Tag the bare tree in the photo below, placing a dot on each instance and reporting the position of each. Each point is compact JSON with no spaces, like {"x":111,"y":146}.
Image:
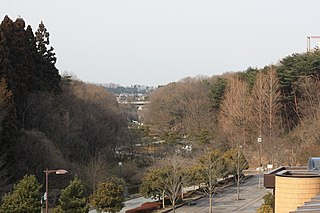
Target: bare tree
{"x":210,"y":169}
{"x":266,"y":104}
{"x":236,"y":163}
{"x":95,"y":171}
{"x":235,"y":112}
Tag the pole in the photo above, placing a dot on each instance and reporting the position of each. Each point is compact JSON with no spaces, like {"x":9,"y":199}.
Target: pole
{"x":260,"y":166}
{"x":260,"y":144}
{"x":47,"y":184}
{"x":238,"y":175}
{"x":47,"y":171}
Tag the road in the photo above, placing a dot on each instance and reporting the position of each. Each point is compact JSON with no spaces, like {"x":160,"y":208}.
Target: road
{"x":131,"y":204}
{"x":250,"y":200}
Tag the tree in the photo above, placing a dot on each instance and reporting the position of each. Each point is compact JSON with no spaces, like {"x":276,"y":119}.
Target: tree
{"x":266,"y":103}
{"x":7,"y":129}
{"x":108,"y":197}
{"x":24,"y":198}
{"x":36,"y":153}
{"x":150,"y":186}
{"x":179,"y":109}
{"x":95,"y":171}
{"x":234,"y":117}
{"x":211,"y":167}
{"x":166,"y":179}
{"x":217,"y":92}
{"x":236,"y":163}
{"x":42,"y":41}
{"x":72,"y":199}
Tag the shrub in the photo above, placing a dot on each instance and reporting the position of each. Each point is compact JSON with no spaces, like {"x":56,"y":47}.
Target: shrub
{"x":108,"y":197}
{"x":147,"y":207}
{"x":24,"y":198}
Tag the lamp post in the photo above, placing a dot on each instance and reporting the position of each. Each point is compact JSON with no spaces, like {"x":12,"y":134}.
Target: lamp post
{"x":238,"y":173}
{"x":47,"y":172}
{"x":260,"y":143}
{"x":120,"y":164}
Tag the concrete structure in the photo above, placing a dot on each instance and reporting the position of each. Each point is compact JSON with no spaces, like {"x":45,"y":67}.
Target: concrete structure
{"x":293,"y":189}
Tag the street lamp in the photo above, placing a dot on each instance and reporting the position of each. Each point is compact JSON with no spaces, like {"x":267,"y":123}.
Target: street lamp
{"x":238,"y":173}
{"x":47,"y":172}
{"x":120,"y":164}
{"x":260,"y":143}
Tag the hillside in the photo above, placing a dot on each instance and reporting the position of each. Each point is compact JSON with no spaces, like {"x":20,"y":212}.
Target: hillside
{"x":53,"y":121}
{"x":279,"y":102}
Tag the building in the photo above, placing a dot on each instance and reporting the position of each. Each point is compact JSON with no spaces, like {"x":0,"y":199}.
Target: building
{"x":296,"y":189}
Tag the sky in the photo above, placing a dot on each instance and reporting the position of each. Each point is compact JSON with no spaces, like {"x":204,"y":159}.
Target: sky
{"x":155,"y":42}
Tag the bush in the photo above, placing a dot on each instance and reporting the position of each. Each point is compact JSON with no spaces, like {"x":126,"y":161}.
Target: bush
{"x":147,"y":207}
{"x":72,"y":199}
{"x":268,"y":205}
{"x":24,"y":198}
{"x":108,"y":197}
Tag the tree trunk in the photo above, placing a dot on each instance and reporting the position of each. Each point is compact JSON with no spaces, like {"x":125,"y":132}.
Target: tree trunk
{"x":238,"y":187}
{"x":210,"y":202}
{"x":181,"y":192}
{"x":163,"y":205}
{"x":174,"y":205}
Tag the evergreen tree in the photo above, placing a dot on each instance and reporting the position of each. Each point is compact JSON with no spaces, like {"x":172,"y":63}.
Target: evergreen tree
{"x":217,"y":91}
{"x":42,"y":41}
{"x":7,"y":130}
{"x":24,"y":198}
{"x":73,"y":198}
{"x":108,"y":197}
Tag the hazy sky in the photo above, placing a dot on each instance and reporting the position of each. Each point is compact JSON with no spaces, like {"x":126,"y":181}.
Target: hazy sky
{"x":156,"y":42}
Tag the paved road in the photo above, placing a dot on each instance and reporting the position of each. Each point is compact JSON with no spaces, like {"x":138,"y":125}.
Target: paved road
{"x":130,"y":204}
{"x":250,"y":195}
{"x":250,"y":200}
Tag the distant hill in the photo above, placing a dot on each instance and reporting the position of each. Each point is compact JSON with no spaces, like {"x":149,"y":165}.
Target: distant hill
{"x":133,"y":89}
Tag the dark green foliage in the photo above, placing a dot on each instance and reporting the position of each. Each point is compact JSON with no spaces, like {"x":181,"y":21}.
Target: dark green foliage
{"x":151,"y":186}
{"x":24,"y":198}
{"x":249,"y":76}
{"x":24,"y":68}
{"x":42,"y":41}
{"x":217,"y":92}
{"x":72,"y":199}
{"x":22,"y":71}
{"x":293,"y":68}
{"x":8,"y":132}
{"x":108,"y":197}
{"x":269,"y":199}
{"x":268,"y":205}
{"x":204,"y":137}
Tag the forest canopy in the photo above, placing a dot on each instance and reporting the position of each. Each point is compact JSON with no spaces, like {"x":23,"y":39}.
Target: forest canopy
{"x":53,"y":121}
{"x":48,"y":120}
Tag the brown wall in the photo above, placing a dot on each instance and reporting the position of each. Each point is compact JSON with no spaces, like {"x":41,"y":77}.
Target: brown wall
{"x":292,"y":192}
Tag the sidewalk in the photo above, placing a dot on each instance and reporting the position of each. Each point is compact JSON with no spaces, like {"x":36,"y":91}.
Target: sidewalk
{"x":225,"y":202}
{"x":131,"y":204}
